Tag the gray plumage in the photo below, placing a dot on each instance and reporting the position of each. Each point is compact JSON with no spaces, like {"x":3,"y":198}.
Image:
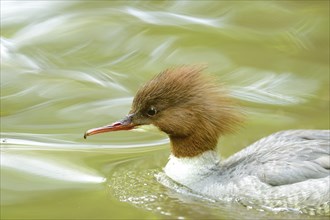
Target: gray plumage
{"x":285,"y":157}
{"x":288,"y":169}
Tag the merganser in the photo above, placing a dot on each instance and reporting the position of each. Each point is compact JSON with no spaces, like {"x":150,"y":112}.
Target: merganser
{"x":287,"y":170}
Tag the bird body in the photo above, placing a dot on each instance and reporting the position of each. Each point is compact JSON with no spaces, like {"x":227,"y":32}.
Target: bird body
{"x":286,"y":170}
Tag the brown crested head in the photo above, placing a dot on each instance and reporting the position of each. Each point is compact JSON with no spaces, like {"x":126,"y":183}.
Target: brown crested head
{"x":187,"y":105}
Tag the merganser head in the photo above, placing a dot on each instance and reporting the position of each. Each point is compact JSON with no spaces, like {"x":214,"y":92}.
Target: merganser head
{"x":184,"y":103}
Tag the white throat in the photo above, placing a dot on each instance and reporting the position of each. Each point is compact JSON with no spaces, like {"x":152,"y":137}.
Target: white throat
{"x":189,"y":171}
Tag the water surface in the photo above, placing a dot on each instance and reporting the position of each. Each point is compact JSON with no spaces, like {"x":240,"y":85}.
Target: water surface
{"x":67,"y":66}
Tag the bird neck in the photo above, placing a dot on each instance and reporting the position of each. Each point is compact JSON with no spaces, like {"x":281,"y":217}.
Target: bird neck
{"x":193,"y":145}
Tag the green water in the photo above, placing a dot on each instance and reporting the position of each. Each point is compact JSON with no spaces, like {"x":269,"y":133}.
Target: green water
{"x":67,"y":66}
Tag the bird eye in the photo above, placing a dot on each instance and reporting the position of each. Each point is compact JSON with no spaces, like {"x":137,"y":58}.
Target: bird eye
{"x":152,"y":111}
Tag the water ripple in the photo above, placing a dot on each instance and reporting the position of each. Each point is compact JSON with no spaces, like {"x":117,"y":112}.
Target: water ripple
{"x":64,"y":170}
{"x":30,"y":141}
{"x":273,"y":88}
{"x":168,"y":18}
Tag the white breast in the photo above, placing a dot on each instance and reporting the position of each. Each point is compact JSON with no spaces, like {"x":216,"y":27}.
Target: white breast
{"x":191,"y":171}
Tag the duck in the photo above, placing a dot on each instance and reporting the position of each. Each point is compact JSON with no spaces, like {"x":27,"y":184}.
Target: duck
{"x":286,"y":171}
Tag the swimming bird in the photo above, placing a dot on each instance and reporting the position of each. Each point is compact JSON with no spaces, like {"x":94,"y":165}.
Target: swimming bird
{"x":287,"y":170}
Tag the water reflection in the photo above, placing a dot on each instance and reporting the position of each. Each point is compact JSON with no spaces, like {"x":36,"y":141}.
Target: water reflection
{"x":26,"y":142}
{"x":21,"y":12}
{"x":53,"y":169}
{"x":273,"y":88}
{"x":67,"y":66}
{"x":168,"y":18}
{"x":12,"y":57}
